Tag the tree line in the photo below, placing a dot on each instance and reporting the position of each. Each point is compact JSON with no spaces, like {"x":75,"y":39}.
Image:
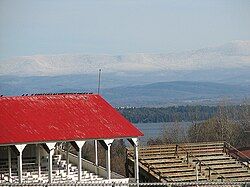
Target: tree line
{"x":168,"y":114}
{"x":229,"y":123}
{"x":177,"y":113}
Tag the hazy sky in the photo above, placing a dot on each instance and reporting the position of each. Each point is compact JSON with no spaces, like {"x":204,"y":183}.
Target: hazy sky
{"x":30,"y":27}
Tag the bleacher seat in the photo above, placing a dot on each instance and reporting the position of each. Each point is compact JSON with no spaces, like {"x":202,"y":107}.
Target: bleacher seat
{"x":177,"y":163}
{"x":59,"y":172}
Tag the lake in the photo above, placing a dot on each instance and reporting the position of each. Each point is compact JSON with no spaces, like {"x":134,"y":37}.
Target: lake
{"x":154,"y":130}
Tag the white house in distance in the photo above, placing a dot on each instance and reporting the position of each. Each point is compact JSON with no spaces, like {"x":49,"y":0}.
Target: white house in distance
{"x":32,"y":125}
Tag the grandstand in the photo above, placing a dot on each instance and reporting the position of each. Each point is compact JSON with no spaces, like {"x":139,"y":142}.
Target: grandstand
{"x":209,"y":161}
{"x":37,"y":132}
{"x":59,"y":171}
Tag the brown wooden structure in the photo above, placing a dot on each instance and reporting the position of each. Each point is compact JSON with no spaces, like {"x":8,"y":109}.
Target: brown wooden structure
{"x":209,"y":161}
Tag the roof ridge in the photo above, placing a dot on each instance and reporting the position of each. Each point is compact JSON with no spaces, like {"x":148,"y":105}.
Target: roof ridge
{"x":63,"y":93}
{"x":56,"y":93}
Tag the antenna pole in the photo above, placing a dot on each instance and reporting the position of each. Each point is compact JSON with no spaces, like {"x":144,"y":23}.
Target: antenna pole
{"x":99,"y":81}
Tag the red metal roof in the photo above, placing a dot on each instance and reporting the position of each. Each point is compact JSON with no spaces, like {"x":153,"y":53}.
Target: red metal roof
{"x":43,"y":118}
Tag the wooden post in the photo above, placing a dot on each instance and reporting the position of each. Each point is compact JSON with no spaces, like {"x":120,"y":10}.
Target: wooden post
{"x":197,"y":172}
{"x":159,"y":173}
{"x":209,"y":173}
{"x":176,"y":150}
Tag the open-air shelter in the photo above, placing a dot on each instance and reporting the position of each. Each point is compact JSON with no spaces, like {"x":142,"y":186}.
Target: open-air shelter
{"x":47,"y":119}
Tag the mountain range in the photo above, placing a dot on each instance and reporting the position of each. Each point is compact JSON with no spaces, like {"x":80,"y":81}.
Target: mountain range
{"x":235,"y":54}
{"x":176,"y":93}
{"x":207,"y":74}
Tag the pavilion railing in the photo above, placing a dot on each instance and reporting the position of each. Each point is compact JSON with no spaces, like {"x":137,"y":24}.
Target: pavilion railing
{"x":113,"y":184}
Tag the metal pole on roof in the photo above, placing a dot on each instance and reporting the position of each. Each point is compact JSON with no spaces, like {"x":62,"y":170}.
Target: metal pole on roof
{"x":99,"y":81}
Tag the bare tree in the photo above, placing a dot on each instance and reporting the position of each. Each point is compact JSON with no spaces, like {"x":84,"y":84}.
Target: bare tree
{"x":224,"y":126}
{"x":175,"y":133}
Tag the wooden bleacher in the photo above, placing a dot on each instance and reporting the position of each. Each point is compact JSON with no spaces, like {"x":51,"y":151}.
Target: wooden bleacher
{"x":209,"y":161}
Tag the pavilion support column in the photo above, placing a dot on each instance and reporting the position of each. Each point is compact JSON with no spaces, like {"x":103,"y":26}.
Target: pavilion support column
{"x":134,"y":142}
{"x":108,"y":165}
{"x":9,"y":162}
{"x":80,"y":164}
{"x":79,"y":149}
{"x":50,"y":148}
{"x":38,"y":159}
{"x":20,"y":167}
{"x":50,"y":166}
{"x":107,"y":145}
{"x":96,"y":157}
{"x":20,"y":149}
{"x":67,"y":157}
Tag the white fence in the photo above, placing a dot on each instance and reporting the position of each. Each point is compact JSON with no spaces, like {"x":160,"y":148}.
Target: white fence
{"x":239,"y":184}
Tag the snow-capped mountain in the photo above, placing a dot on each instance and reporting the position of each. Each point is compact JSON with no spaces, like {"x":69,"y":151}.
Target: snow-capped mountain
{"x":201,"y":76}
{"x":233,"y":55}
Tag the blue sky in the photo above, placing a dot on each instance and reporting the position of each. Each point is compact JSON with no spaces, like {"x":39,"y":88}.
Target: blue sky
{"x":31,"y":27}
